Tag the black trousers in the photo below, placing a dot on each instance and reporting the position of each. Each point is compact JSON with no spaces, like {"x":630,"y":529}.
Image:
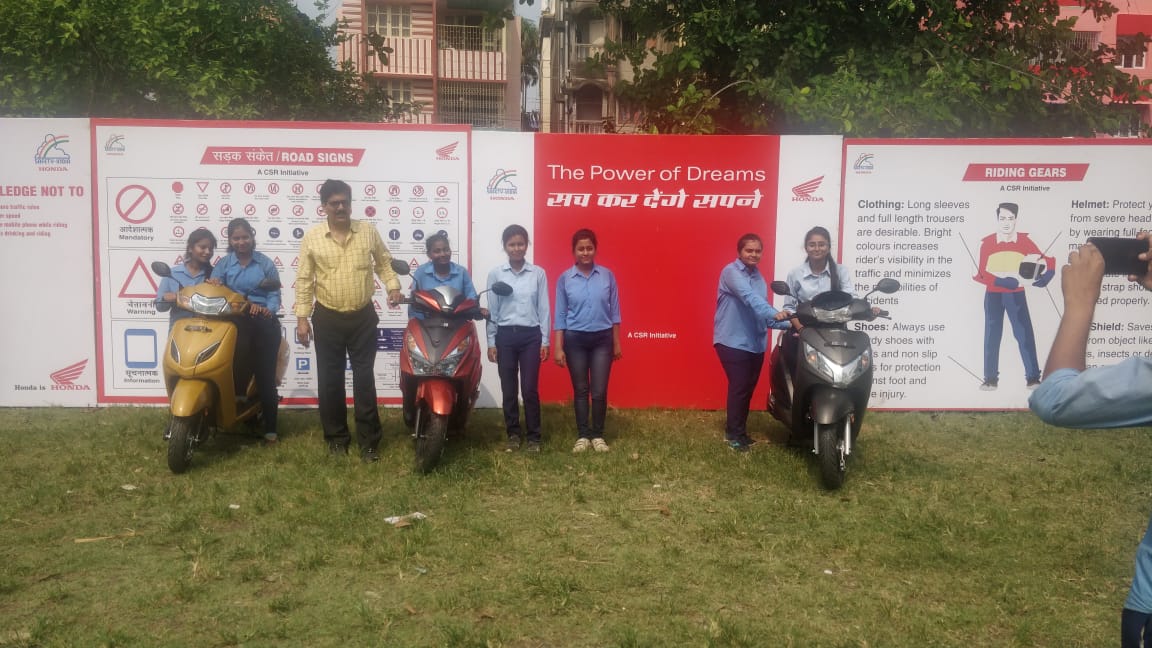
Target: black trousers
{"x":743,"y":371}
{"x":258,"y":348}
{"x":518,"y":361}
{"x":352,"y":336}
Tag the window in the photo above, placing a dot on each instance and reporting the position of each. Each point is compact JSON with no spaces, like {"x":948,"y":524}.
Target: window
{"x":1130,"y":52}
{"x":397,"y":91}
{"x":479,"y":104}
{"x":393,"y":21}
{"x":1085,"y":41}
{"x":466,"y":32}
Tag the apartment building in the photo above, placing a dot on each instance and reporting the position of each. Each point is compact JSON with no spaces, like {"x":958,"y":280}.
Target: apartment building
{"x":1119,"y":31}
{"x":577,"y":88}
{"x":442,"y":58}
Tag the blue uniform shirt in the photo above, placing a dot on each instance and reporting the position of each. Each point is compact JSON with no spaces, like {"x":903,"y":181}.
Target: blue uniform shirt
{"x":805,"y":284}
{"x":424,"y":278}
{"x":587,"y":303}
{"x":246,"y":279}
{"x":526,"y":306}
{"x":742,"y":309}
{"x":1102,"y":397}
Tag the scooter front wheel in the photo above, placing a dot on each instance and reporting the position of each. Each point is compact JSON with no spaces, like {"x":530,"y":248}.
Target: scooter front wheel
{"x":832,"y":455}
{"x":183,"y":433}
{"x":431,"y":432}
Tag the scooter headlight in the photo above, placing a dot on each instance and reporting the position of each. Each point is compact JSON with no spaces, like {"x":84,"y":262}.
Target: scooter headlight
{"x":174,"y":352}
{"x":838,"y":375}
{"x":420,"y":364}
{"x":209,"y":305}
{"x":447,"y":365}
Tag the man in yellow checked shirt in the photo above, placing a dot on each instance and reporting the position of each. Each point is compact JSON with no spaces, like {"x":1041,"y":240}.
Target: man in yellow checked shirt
{"x":334,"y":286}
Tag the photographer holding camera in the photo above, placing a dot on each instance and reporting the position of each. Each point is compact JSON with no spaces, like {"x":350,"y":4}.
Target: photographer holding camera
{"x":1113,"y":396}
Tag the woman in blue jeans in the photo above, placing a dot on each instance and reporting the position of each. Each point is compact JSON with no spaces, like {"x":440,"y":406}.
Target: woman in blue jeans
{"x":587,"y":338}
{"x":518,"y":337}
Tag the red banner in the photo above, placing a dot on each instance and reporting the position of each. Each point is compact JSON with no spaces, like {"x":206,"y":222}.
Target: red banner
{"x":668,"y":213}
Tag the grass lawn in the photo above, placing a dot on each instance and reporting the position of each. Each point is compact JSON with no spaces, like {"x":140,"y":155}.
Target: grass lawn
{"x":952,"y":530}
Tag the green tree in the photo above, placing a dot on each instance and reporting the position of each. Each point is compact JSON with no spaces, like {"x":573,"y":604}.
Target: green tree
{"x":218,"y":59}
{"x":884,"y":68}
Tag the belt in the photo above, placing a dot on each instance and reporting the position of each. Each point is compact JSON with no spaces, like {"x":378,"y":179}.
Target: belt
{"x":350,"y":313}
{"x":512,"y":328}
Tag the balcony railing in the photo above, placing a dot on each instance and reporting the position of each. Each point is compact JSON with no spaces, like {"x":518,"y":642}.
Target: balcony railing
{"x":581,"y":52}
{"x":412,"y":57}
{"x":409,"y":57}
{"x":586,"y":126}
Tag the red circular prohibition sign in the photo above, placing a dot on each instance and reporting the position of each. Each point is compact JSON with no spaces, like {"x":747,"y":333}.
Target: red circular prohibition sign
{"x":135,"y":204}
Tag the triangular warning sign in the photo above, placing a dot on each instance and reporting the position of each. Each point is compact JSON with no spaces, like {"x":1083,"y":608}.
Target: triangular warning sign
{"x":375,"y":304}
{"x":277,"y":262}
{"x":138,"y":283}
{"x":202,"y":186}
{"x":377,"y":282}
{"x":296,"y":262}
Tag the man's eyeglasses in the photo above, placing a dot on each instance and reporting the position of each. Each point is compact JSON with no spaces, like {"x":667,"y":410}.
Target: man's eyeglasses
{"x":337,"y":204}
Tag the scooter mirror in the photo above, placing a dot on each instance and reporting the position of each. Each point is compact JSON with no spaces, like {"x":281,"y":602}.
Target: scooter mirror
{"x":502,"y":289}
{"x":161,"y":269}
{"x":887,"y":285}
{"x":400,"y":267}
{"x":780,"y":288}
{"x":269,"y":284}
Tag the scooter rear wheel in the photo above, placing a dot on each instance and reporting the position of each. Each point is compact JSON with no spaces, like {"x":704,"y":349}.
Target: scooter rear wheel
{"x":184,"y":432}
{"x":833,"y":460}
{"x":431,"y":432}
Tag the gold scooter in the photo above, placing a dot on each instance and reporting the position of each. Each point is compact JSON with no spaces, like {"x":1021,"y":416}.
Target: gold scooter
{"x":198,"y":367}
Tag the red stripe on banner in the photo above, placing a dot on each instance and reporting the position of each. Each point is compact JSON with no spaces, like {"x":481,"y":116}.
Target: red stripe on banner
{"x":980,"y":172}
{"x":290,"y":156}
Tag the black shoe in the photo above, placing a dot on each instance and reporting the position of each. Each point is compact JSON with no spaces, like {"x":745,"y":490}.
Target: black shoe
{"x":1033,"y":383}
{"x":738,"y":445}
{"x":369,"y":455}
{"x":336,"y":448}
{"x":741,"y":443}
{"x":989,"y":385}
{"x":513,"y":444}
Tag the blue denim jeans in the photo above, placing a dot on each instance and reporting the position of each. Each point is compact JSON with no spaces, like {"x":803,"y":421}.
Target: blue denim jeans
{"x":589,"y":364}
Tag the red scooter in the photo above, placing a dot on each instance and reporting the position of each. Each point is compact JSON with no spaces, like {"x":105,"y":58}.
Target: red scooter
{"x":440,"y":367}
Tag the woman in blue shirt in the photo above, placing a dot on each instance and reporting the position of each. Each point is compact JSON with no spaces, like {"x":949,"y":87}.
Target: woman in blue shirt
{"x":196,"y":268}
{"x":518,"y":336}
{"x":587,"y":338}
{"x":440,"y":270}
{"x":740,"y":333}
{"x":819,"y":273}
{"x":258,"y":334}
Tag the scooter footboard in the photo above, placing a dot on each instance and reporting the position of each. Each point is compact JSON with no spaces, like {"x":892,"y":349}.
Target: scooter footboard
{"x":830,"y":405}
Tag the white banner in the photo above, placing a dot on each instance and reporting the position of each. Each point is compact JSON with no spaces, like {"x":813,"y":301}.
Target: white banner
{"x":46,"y":261}
{"x":502,"y":195}
{"x":971,"y":229}
{"x":156,"y":182}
